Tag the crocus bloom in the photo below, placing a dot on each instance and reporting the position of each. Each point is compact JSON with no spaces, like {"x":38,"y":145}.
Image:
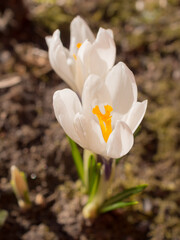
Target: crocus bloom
{"x":108,"y":116}
{"x":86,"y":55}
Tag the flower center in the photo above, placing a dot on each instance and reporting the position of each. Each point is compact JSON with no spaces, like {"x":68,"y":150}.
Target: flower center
{"x":104,"y":120}
{"x":78,"y":45}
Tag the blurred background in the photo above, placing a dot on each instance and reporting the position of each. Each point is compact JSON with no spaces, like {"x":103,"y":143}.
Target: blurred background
{"x":147,"y":36}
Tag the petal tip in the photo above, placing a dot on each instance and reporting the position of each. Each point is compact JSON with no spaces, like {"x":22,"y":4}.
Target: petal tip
{"x":56,"y":33}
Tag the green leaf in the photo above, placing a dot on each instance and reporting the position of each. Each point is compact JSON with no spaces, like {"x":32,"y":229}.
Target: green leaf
{"x":88,"y":156}
{"x":92,"y":171}
{"x":77,"y":158}
{"x":3,"y":217}
{"x":95,"y":181}
{"x":116,"y":205}
{"x":125,"y":194}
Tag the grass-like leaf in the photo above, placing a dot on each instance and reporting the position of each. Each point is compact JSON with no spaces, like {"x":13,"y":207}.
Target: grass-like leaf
{"x":116,"y":205}
{"x":77,"y":159}
{"x":95,"y":181}
{"x":91,"y":171}
{"x":125,"y":194}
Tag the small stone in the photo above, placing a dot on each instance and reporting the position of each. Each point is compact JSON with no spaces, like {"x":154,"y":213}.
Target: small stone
{"x":40,"y":200}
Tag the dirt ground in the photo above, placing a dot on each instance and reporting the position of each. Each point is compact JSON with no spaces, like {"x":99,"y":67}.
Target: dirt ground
{"x":147,"y":34}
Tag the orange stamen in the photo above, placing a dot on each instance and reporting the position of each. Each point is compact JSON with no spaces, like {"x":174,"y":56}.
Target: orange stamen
{"x":104,"y":120}
{"x":78,"y":45}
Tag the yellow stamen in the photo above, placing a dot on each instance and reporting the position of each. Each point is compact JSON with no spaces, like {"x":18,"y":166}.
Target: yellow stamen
{"x":104,"y":120}
{"x":75,"y":57}
{"x":78,"y":45}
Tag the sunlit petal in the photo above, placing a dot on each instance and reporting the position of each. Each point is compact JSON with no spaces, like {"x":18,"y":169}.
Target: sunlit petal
{"x":59,"y":59}
{"x":122,"y":87}
{"x":135,"y":115}
{"x":120,"y":141}
{"x":66,"y":105}
{"x":95,"y":93}
{"x":80,"y":32}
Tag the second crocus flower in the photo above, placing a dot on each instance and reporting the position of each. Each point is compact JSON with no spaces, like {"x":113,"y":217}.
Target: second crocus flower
{"x":86,"y":55}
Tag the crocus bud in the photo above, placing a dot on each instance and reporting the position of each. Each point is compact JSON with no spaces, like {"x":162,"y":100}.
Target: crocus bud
{"x":20,"y":187}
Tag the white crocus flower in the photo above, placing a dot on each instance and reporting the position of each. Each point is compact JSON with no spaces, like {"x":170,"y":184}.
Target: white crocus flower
{"x":108,"y":116}
{"x":86,"y":55}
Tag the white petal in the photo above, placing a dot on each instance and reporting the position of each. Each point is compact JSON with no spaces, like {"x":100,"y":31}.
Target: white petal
{"x":120,"y":141}
{"x":105,"y":48}
{"x":59,"y":59}
{"x":94,"y":93}
{"x":80,"y":32}
{"x":66,"y":105}
{"x":99,"y":57}
{"x":81,"y":65}
{"x":90,"y":133}
{"x":122,"y":87}
{"x":109,"y":31}
{"x":116,"y":117}
{"x":135,"y":115}
{"x":84,"y":52}
{"x":79,"y":127}
{"x":79,"y":77}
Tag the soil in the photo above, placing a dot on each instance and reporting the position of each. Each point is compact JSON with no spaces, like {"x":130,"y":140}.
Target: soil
{"x":148,"y":41}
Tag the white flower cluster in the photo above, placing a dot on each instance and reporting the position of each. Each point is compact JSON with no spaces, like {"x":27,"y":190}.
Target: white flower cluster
{"x":107,"y":114}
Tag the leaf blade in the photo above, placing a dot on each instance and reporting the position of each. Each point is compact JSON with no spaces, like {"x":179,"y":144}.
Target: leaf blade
{"x":95,"y":183}
{"x":125,"y":194}
{"x":77,"y":159}
{"x":116,"y":206}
